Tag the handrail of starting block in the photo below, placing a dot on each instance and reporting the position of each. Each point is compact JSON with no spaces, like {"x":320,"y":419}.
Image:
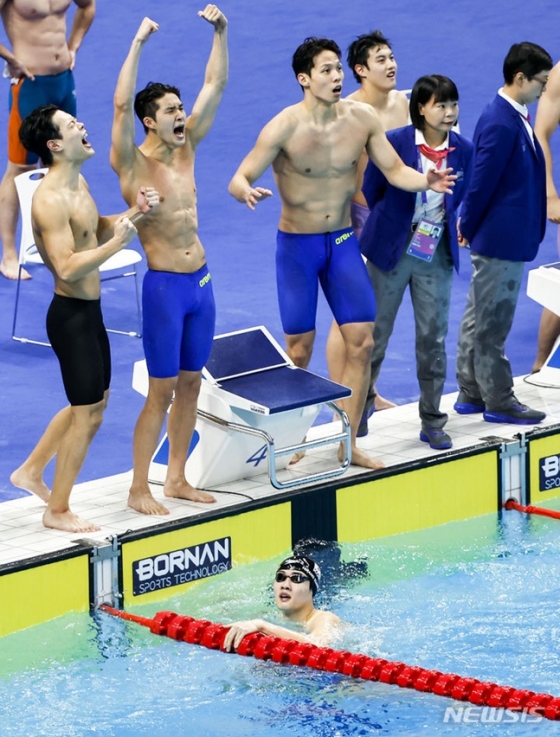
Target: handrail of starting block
{"x":342,"y":437}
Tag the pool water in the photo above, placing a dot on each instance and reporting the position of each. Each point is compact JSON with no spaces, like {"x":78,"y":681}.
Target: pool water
{"x":477,"y":598}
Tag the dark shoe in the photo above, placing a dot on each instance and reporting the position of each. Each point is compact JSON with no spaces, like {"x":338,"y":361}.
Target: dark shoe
{"x":363,"y":426}
{"x":517,"y":414}
{"x":466,"y":405}
{"x":438,"y":439}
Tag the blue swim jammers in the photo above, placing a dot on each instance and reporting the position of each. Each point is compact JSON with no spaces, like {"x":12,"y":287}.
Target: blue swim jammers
{"x":334,"y":260}
{"x":179,"y":316}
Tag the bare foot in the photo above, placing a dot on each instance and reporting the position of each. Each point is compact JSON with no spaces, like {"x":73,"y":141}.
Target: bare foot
{"x":10,"y":269}
{"x":144,"y":502}
{"x":67,"y":522}
{"x":296,"y":458}
{"x":382,"y":403}
{"x":359,"y":458}
{"x":24,"y":480}
{"x":183,"y":490}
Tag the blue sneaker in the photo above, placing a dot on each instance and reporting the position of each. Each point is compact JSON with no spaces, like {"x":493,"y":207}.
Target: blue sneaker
{"x":466,"y":405}
{"x":438,"y":439}
{"x":517,"y":414}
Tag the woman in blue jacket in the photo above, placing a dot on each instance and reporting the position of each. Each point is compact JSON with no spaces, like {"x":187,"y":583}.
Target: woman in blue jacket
{"x":410,"y":240}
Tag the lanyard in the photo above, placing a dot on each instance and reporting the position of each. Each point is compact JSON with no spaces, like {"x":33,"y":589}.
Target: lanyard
{"x":423,"y":193}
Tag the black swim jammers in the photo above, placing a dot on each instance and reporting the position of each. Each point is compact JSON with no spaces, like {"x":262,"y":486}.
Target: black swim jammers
{"x":79,"y":339}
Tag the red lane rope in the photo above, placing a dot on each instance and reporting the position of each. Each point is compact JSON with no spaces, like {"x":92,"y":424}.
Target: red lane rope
{"x":205,"y":633}
{"x":530,"y":509}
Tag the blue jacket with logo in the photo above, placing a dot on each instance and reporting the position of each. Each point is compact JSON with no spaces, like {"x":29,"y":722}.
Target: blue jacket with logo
{"x":387,"y":229}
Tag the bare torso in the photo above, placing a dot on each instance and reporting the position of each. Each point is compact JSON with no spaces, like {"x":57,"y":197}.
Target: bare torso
{"x":322,"y":624}
{"x":80,"y":212}
{"x":316,"y":168}
{"x":37,"y":32}
{"x":393,"y":113}
{"x":168,"y":234}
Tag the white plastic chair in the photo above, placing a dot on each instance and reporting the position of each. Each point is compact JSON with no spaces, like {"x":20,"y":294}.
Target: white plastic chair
{"x":123,"y":263}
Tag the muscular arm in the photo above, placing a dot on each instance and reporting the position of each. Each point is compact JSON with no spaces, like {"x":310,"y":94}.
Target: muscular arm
{"x":15,"y":67}
{"x":106,"y":223}
{"x":268,"y":146}
{"x":7,"y":55}
{"x":548,"y":119}
{"x":215,"y":79}
{"x":83,"y":18}
{"x":147,"y":199}
{"x":397,"y":173}
{"x":52,"y":221}
{"x":123,"y":148}
{"x":321,"y":633}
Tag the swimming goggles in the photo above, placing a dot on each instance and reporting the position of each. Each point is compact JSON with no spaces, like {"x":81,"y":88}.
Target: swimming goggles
{"x":294,"y":578}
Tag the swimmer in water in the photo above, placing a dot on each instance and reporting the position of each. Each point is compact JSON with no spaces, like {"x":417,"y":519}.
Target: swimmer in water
{"x":295,"y":585}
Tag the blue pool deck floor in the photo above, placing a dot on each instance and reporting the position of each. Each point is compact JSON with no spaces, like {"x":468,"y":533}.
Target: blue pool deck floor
{"x":393,"y":438}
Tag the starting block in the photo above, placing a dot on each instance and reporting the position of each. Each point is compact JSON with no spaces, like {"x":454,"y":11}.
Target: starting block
{"x":254,"y":408}
{"x":543,"y":286}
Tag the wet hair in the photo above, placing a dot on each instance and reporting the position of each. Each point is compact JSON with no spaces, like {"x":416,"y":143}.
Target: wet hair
{"x":527,"y":58}
{"x":146,"y":101}
{"x":304,"y":56}
{"x":441,"y":88}
{"x":38,"y":128}
{"x":358,"y":51}
{"x":304,"y":565}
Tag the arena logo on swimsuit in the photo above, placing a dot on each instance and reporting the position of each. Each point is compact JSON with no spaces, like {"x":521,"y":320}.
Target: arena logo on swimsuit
{"x":342,"y":238}
{"x":181,"y":566}
{"x":204,"y":280}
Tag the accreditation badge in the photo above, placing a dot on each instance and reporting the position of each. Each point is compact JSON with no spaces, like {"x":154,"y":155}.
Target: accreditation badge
{"x":425,"y":239}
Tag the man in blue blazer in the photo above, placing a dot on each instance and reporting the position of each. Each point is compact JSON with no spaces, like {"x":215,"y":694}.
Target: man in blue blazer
{"x":388,"y":239}
{"x":503,"y":221}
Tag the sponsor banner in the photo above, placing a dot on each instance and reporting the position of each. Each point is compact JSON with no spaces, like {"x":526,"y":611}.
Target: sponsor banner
{"x":182,"y":566}
{"x":549,"y":473}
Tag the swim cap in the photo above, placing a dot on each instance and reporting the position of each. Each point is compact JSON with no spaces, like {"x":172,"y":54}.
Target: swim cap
{"x":305,"y":565}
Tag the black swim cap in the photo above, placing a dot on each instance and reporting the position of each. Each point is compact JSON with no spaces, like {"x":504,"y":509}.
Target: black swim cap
{"x":305,"y":565}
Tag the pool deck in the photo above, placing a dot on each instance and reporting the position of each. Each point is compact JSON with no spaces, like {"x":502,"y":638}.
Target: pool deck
{"x":419,"y":488}
{"x":393,"y":438}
